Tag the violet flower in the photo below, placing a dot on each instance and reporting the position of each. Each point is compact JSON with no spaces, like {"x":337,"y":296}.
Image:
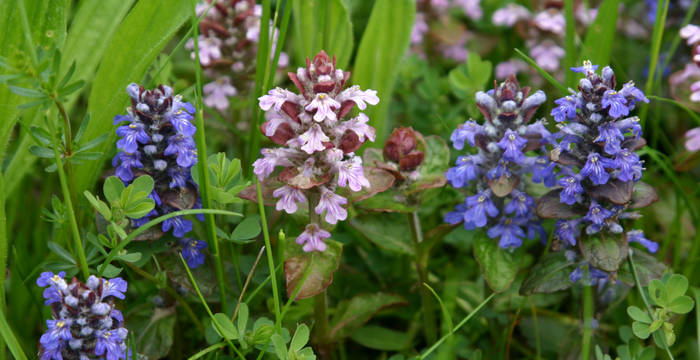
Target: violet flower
{"x":498,"y":199}
{"x":319,"y":138}
{"x":84,"y":324}
{"x":157,"y":141}
{"x":597,"y":161}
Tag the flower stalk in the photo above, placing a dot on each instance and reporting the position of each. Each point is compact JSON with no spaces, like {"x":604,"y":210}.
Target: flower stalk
{"x":429,"y":324}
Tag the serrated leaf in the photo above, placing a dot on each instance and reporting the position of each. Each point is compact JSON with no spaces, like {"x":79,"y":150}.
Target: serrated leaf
{"x":323,"y":265}
{"x":499,"y":266}
{"x":607,"y":254}
{"x":550,"y":274}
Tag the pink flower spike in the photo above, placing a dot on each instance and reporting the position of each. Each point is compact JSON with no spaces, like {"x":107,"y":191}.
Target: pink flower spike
{"x":692,"y":142}
{"x":695,"y":91}
{"x":551,"y":20}
{"x":217,"y":93}
{"x":331,"y":204}
{"x":209,"y":49}
{"x":354,"y":93}
{"x":312,"y":140}
{"x":351,"y":174}
{"x":312,"y":238}
{"x":289,"y":197}
{"x":276,"y":98}
{"x":324,"y":106}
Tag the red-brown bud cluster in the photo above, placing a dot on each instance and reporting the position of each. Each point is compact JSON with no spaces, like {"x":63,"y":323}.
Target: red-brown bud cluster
{"x":402,"y":148}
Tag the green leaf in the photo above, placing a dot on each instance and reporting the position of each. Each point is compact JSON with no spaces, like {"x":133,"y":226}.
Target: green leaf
{"x":470,"y":77}
{"x":136,"y":210}
{"x":550,"y":274}
{"x":323,"y":265}
{"x":322,"y":24}
{"x":143,"y":184}
{"x":432,"y":171}
{"x":389,"y":232}
{"x":42,"y":152}
{"x":300,"y":338}
{"x":130,"y":257}
{"x":136,"y":43}
{"x":638,"y":314}
{"x":386,"y":201}
{"x":61,"y":252}
{"x":280,"y":347}
{"x":607,"y":254}
{"x":158,"y":329}
{"x":657,"y":292}
{"x":655,"y":325}
{"x":242,"y":319}
{"x":648,"y":268}
{"x":681,"y":305}
{"x":112,"y":189}
{"x":99,"y":205}
{"x":640,"y":330}
{"x":247,"y":229}
{"x":676,"y":286}
{"x":382,"y":48}
{"x":225,"y":326}
{"x":359,"y":310}
{"x":381,"y":338}
{"x":598,"y":43}
{"x":499,"y":266}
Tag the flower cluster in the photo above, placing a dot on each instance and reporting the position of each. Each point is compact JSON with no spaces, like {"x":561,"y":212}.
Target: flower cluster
{"x":543,"y":30}
{"x":450,"y":44}
{"x":499,"y":200}
{"x":691,"y":33}
{"x":84,"y":324}
{"x":403,"y":154}
{"x":157,"y":141}
{"x":596,"y":156}
{"x":319,"y":140}
{"x":228,"y":41}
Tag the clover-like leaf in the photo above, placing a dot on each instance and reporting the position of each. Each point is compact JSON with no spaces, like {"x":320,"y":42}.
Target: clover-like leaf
{"x":300,"y":338}
{"x":638,"y":315}
{"x":681,"y":305}
{"x":225,"y":326}
{"x":676,"y":286}
{"x":641,"y":330}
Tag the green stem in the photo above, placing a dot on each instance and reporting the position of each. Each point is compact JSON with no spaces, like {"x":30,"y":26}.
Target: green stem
{"x":587,"y":318}
{"x":321,"y":327}
{"x":429,"y":323}
{"x":452,"y":331}
{"x":3,"y":256}
{"x":143,"y":228}
{"x":68,"y":135}
{"x":205,"y":185}
{"x":77,"y":242}
{"x":657,"y":35}
{"x":206,"y":307}
{"x":207,"y":350}
{"x":270,"y":258}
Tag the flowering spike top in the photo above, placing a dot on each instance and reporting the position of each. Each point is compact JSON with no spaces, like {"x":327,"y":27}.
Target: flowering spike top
{"x":493,"y":174}
{"x":228,"y":40}
{"x":599,"y":167}
{"x":156,"y":139}
{"x":84,"y":323}
{"x":318,"y":135}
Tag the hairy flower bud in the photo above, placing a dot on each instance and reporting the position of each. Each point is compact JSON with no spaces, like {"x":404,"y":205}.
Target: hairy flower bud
{"x":402,"y":148}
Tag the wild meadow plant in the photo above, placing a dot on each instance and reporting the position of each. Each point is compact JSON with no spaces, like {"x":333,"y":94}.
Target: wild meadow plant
{"x":540,"y":232}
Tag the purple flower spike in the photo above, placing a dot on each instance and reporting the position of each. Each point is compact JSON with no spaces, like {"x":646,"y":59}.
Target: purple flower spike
{"x":84,"y":323}
{"x":289,"y":197}
{"x":466,"y":131}
{"x":617,"y":104}
{"x":312,"y":238}
{"x":480,"y":205}
{"x":567,"y":230}
{"x":509,"y":232}
{"x":597,"y":214}
{"x":512,"y":145}
{"x":566,"y":109}
{"x":587,"y":68}
{"x":596,"y":168}
{"x":466,"y":170}
{"x":572,"y":189}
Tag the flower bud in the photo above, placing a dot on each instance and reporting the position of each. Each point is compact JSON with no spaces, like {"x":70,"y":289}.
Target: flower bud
{"x":401,"y":147}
